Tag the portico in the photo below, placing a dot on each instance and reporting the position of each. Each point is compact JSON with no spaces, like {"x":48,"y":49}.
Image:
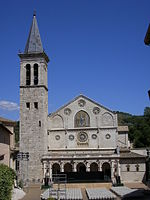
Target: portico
{"x":90,"y":164}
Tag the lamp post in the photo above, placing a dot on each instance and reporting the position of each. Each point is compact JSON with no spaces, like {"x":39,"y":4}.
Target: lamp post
{"x":24,"y":156}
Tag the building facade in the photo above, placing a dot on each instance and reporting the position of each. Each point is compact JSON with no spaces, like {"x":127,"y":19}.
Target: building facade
{"x":81,"y":139}
{"x":7,"y":142}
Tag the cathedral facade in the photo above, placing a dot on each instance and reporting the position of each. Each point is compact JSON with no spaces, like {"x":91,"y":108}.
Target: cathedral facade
{"x":81,"y":139}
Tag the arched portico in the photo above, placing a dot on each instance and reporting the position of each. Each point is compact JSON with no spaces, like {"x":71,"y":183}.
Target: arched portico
{"x":81,"y":167}
{"x":94,"y":167}
{"x":55,"y":168}
{"x":67,"y":167}
{"x":106,"y":170}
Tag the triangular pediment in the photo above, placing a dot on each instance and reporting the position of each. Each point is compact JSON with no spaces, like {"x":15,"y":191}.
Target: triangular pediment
{"x":81,"y":99}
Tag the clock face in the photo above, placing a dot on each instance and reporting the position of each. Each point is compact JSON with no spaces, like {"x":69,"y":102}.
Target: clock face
{"x":82,"y":137}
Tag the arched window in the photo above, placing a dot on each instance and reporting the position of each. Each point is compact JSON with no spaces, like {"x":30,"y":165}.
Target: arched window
{"x":82,"y":119}
{"x":28,"y":74}
{"x":35,"y":74}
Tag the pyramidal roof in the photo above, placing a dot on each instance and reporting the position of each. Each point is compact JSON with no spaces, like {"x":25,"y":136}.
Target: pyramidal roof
{"x":34,"y":44}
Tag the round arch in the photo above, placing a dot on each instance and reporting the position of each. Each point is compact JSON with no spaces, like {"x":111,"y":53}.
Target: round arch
{"x":94,"y":167}
{"x":81,"y":167}
{"x":67,"y":167}
{"x":81,"y":119}
{"x":106,"y":170}
{"x":56,"y":168}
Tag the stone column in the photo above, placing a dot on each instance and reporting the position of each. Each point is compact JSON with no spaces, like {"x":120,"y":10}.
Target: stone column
{"x":32,"y":74}
{"x":112,"y":170}
{"x":50,"y":170}
{"x":44,"y":170}
{"x":74,"y":167}
{"x":99,"y":166}
{"x":44,"y":167}
{"x":61,"y":167}
{"x":87,"y":166}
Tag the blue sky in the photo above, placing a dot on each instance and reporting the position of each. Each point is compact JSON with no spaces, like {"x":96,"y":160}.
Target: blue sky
{"x":96,"y":48}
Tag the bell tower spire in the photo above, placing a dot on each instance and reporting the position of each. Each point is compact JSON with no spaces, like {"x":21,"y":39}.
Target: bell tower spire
{"x":34,"y":44}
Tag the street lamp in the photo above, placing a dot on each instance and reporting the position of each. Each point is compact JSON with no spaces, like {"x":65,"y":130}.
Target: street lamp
{"x":23,"y":156}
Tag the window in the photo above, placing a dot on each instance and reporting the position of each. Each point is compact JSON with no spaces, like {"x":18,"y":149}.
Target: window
{"x":28,"y":105}
{"x":137,"y":167}
{"x":36,"y":105}
{"x":28,"y":74}
{"x":35,"y":74}
{"x":128,"y":168}
{"x":82,"y":119}
{"x":39,"y":123}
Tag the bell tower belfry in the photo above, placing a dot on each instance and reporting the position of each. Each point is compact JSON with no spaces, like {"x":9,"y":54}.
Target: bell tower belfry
{"x":33,"y":104}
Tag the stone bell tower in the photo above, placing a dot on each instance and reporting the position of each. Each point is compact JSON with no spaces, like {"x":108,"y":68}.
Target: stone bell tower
{"x":33,"y":105}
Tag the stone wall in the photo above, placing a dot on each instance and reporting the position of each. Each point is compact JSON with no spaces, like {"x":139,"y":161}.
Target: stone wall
{"x":133,"y":175}
{"x":33,"y":120}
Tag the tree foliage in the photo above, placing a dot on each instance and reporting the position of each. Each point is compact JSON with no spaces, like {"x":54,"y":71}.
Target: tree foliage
{"x":7,"y":176}
{"x":139,"y":127}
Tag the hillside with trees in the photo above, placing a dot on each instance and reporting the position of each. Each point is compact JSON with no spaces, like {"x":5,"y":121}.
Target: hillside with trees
{"x":139,"y":127}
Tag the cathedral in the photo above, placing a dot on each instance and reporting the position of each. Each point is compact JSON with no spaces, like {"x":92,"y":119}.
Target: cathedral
{"x":81,"y":139}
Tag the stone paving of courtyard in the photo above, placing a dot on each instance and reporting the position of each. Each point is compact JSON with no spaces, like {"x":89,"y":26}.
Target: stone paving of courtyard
{"x":34,"y":192}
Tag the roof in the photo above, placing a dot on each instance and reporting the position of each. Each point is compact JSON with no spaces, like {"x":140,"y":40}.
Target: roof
{"x":123,"y":129}
{"x":76,"y":98}
{"x":34,"y":44}
{"x":130,"y":155}
{"x":4,"y":127}
{"x":7,"y":122}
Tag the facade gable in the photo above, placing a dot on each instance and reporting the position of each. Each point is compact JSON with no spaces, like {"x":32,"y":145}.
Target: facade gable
{"x":99,"y":116}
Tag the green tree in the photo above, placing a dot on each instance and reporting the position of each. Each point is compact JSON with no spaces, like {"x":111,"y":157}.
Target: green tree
{"x":7,"y":176}
{"x":139,"y":127}
{"x":147,"y":111}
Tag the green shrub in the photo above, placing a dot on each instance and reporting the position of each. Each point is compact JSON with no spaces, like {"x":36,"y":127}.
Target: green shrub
{"x":20,"y":183}
{"x":7,"y":176}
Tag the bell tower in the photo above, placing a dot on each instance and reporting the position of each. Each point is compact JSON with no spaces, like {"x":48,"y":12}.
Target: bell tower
{"x":33,"y":105}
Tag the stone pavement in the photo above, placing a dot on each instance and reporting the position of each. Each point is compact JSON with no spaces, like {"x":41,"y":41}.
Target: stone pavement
{"x":34,"y":191}
{"x":136,"y":185}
